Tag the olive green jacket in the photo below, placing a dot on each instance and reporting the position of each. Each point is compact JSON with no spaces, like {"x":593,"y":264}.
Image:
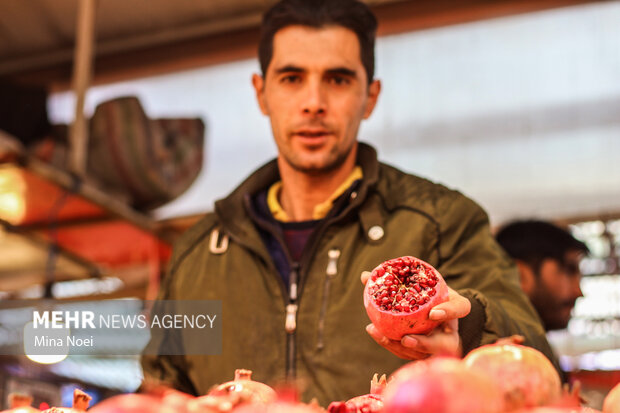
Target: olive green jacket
{"x":390,"y":214}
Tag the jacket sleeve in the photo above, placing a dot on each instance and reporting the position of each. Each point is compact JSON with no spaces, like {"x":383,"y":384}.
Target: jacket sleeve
{"x":475,"y":266}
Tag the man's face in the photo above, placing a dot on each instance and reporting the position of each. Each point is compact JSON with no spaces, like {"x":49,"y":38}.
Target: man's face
{"x":556,"y":290}
{"x":315,"y":93}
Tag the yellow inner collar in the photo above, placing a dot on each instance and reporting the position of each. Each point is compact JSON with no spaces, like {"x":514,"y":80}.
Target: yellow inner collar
{"x":321,"y":210}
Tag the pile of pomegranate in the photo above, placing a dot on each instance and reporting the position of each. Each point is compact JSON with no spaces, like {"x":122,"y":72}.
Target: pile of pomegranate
{"x":497,"y":378}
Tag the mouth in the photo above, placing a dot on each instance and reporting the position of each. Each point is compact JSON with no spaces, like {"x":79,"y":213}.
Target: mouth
{"x":312,"y":133}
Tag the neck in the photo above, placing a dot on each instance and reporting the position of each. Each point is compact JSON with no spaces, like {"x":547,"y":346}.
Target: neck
{"x":301,"y":191}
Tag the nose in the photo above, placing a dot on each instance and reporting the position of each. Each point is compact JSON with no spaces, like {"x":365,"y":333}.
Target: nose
{"x":314,"y":99}
{"x":576,"y":287}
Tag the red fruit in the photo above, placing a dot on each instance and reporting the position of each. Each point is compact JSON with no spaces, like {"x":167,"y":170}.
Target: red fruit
{"x":612,"y":401}
{"x":399,"y":295}
{"x":175,"y":399}
{"x":526,"y":377}
{"x":440,"y":385}
{"x":132,"y":403}
{"x":279,"y":406}
{"x":245,"y":388}
{"x":214,"y":404}
{"x":368,"y":403}
{"x":559,"y":410}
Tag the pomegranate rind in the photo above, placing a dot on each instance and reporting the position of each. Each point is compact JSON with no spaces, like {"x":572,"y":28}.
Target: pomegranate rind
{"x":525,"y":375}
{"x":368,"y":403}
{"x":559,"y":410}
{"x":279,"y":407}
{"x":395,"y":325}
{"x":371,"y":403}
{"x":612,"y":400}
{"x":441,"y":385}
{"x":245,"y":388}
{"x":132,"y":403}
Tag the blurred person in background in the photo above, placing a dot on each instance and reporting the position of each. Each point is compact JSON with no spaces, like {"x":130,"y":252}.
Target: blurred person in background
{"x":548,"y":260}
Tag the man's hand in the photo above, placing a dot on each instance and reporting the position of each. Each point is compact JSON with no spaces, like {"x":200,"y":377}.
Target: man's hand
{"x":443,"y":340}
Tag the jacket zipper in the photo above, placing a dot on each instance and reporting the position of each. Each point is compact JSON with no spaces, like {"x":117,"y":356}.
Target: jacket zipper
{"x":330,"y":273}
{"x":289,"y":294}
{"x":290,"y":321}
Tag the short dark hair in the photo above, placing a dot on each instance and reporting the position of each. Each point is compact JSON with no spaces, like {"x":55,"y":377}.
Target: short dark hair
{"x":534,"y":241}
{"x":351,"y":14}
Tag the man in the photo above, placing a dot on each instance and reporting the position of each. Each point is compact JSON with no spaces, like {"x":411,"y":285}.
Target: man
{"x":548,"y":260}
{"x":285,"y":250}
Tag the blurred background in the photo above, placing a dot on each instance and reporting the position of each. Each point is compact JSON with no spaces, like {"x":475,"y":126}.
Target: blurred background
{"x":514,"y":103}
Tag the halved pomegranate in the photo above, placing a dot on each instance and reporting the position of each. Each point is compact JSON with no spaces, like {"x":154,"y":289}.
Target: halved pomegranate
{"x":368,"y":403}
{"x":400,"y":294}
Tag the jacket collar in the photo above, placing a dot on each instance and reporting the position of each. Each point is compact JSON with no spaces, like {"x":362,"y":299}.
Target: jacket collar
{"x":233,"y":210}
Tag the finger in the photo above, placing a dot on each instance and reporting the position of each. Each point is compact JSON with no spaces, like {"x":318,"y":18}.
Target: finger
{"x":365,"y":276}
{"x":394,"y":346}
{"x":456,"y":307}
{"x":377,"y":336}
{"x":514,"y":339}
{"x":443,"y":341}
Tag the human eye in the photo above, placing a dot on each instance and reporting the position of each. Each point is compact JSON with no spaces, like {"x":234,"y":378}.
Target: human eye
{"x":339,"y":80}
{"x":290,"y":78}
{"x":571,"y":269}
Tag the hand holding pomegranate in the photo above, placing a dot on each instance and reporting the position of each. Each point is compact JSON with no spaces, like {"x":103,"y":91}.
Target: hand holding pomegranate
{"x":414,"y":313}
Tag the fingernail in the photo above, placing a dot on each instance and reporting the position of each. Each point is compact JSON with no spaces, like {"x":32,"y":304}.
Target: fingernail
{"x":369,"y":328}
{"x":409,"y":342}
{"x":437,"y":315}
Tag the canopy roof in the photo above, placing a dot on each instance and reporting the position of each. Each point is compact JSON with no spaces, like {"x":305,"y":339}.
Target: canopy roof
{"x":135,"y":38}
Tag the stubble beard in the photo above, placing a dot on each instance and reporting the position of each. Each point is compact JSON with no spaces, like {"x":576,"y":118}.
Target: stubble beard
{"x":547,"y":306}
{"x":332,"y":161}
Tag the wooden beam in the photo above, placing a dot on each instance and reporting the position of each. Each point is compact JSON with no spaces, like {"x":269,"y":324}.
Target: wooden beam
{"x":410,"y":16}
{"x":82,"y":73}
{"x":93,"y":269}
{"x":90,"y":192}
{"x":222,"y":47}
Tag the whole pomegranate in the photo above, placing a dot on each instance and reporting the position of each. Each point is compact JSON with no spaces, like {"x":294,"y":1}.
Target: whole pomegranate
{"x":440,"y":385}
{"x":245,"y":388}
{"x":399,"y":295}
{"x":215,"y":404}
{"x":612,"y":400}
{"x":132,"y":403}
{"x":559,"y":410}
{"x":368,"y":403}
{"x":287,"y":401}
{"x":526,"y":377}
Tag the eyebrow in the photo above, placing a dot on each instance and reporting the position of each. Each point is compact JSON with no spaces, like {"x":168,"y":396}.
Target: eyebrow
{"x":345,"y":71}
{"x":342,"y":71}
{"x":289,"y":68}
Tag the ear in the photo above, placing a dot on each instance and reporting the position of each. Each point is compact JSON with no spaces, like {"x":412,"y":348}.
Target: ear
{"x":374,"y":88}
{"x":259,"y":88}
{"x":526,"y":276}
